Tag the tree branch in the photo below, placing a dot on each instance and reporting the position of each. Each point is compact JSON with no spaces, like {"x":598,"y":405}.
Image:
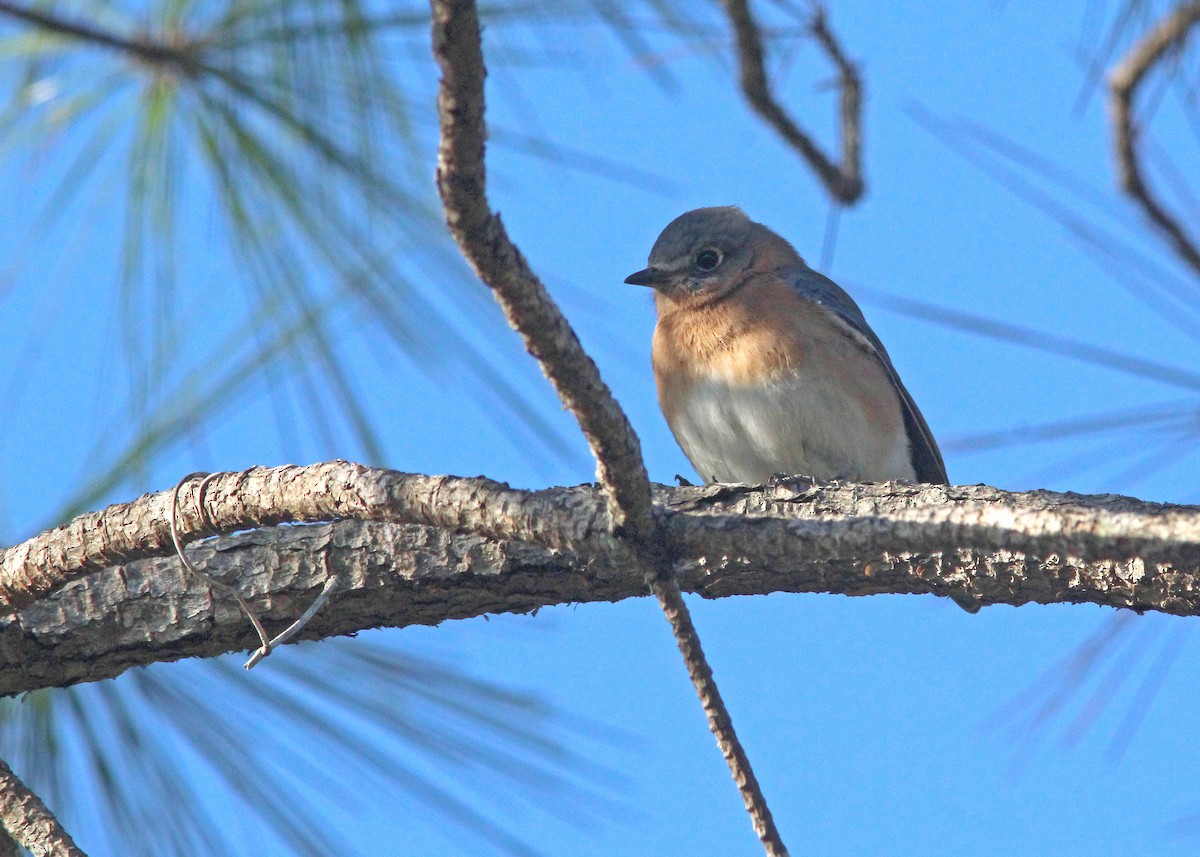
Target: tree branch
{"x":843,"y":181}
{"x":151,"y":610}
{"x":29,"y":822}
{"x":481,"y":236}
{"x":263,"y":496}
{"x":1123,"y":82}
{"x":1038,"y":547}
{"x":461,"y":179}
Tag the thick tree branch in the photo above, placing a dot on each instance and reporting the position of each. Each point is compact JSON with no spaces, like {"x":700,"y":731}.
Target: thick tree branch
{"x":1123,"y":82}
{"x":262,"y":496}
{"x":729,"y":540}
{"x":29,"y":822}
{"x":388,"y":575}
{"x":843,"y":181}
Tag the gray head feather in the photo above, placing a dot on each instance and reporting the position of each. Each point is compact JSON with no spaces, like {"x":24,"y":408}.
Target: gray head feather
{"x":725,"y":227}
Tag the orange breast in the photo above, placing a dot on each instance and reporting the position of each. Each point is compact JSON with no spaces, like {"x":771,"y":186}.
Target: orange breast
{"x":761,"y":334}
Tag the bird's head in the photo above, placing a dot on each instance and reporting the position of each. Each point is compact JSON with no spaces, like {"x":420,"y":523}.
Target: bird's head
{"x":703,"y":255}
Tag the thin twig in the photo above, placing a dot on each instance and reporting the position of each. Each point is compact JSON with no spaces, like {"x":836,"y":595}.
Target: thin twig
{"x":294,"y":628}
{"x":843,"y":181}
{"x":181,"y":57}
{"x":1123,"y":82}
{"x":212,"y":581}
{"x":670,"y":599}
{"x":30,"y":822}
{"x":208,"y":522}
{"x":549,"y":338}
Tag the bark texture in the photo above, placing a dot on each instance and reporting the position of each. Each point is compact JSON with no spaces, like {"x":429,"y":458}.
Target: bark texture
{"x":263,"y":496}
{"x":1002,"y":548}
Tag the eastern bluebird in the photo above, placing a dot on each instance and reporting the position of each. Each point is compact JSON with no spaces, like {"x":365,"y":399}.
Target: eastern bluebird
{"x":765,"y":366}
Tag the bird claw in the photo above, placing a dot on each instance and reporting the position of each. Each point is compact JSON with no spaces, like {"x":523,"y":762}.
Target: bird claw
{"x":775,"y":480}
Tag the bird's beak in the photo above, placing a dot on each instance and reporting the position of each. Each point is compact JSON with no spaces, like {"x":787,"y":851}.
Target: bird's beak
{"x":652,"y":277}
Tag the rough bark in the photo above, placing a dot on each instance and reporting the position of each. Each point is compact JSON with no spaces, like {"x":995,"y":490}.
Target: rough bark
{"x":264,"y":496}
{"x":1004,"y":548}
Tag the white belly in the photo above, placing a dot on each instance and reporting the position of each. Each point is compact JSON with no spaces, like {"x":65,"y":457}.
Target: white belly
{"x":734,"y":433}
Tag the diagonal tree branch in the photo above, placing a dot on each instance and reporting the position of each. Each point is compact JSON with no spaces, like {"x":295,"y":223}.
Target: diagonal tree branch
{"x":843,"y":181}
{"x":180,"y":56}
{"x":461,"y":179}
{"x":481,"y":236}
{"x":1123,"y":83}
{"x":29,"y":822}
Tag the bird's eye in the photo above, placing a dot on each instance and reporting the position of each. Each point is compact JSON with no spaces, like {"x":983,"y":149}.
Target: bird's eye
{"x":708,"y":259}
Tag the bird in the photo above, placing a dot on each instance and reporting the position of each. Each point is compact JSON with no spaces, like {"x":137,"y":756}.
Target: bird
{"x":765,"y":367}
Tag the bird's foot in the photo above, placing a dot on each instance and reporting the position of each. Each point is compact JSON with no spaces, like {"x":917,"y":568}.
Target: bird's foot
{"x":776,"y":480}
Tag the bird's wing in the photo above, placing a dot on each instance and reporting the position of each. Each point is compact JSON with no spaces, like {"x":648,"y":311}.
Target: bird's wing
{"x":819,"y":289}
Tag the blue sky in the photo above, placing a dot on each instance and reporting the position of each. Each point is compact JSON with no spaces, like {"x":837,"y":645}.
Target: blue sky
{"x":876,"y":725}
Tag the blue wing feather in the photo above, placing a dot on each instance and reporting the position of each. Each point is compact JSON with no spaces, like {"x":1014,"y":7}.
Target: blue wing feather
{"x":819,"y":289}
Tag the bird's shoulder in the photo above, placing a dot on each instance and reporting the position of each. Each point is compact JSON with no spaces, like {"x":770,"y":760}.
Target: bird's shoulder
{"x":815,"y":288}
